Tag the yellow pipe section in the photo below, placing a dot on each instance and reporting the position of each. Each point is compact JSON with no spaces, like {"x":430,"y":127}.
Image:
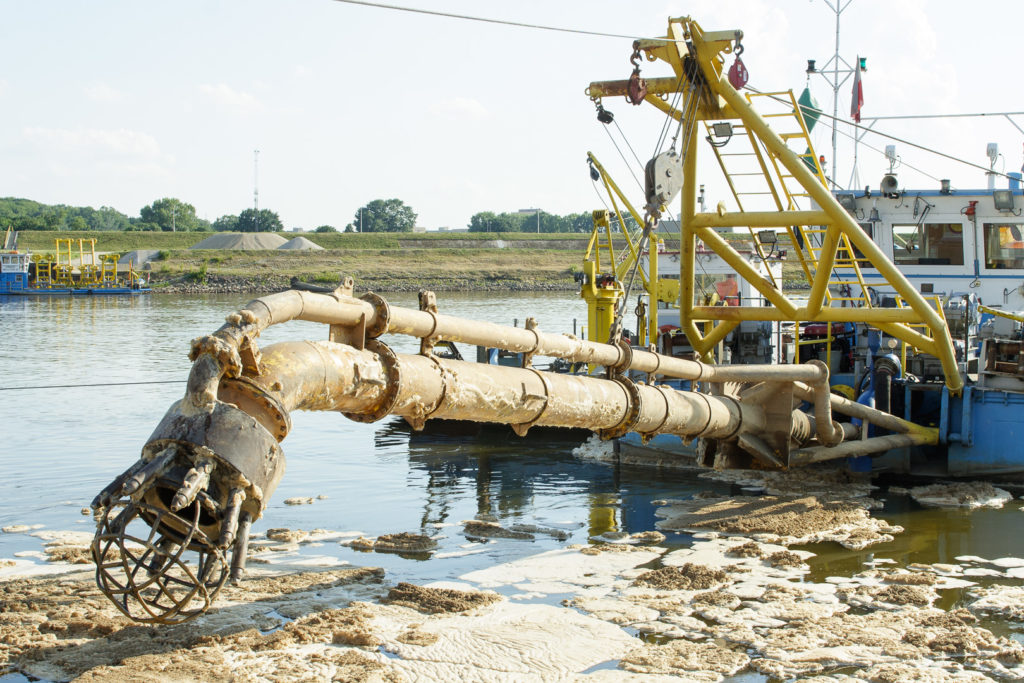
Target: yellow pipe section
{"x":717,"y":334}
{"x":823,"y":272}
{"x":842,"y":221}
{"x":831,"y":314}
{"x":760,"y":219}
{"x":876,"y":417}
{"x":1001,"y":314}
{"x":661,"y":85}
{"x":609,"y":182}
{"x":688,"y":245}
{"x":909,"y":336}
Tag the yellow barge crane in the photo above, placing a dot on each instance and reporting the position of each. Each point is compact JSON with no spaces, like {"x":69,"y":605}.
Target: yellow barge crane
{"x":175,"y":525}
{"x":700,"y":83}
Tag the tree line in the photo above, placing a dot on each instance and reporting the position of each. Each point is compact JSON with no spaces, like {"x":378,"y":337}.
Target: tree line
{"x":530,"y":221}
{"x":171,"y":214}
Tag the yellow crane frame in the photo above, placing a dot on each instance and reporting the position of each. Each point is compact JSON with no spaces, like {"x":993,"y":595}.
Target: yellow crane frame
{"x":720,"y":101}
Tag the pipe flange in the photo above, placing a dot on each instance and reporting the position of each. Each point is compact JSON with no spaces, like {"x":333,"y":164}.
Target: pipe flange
{"x":523,"y":427}
{"x":531,"y":326}
{"x":244,"y":393}
{"x":390,"y":398}
{"x":428,"y":304}
{"x":625,"y":359}
{"x":647,"y":436}
{"x":632,"y":411}
{"x":417,"y":420}
{"x":382,"y":319}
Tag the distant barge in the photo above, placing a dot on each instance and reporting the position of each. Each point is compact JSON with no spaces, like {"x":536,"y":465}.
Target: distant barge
{"x":20,"y":274}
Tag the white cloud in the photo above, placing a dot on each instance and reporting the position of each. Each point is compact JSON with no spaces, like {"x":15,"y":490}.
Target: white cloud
{"x":103,"y":92}
{"x":464,"y":108}
{"x":226,"y":96}
{"x":120,"y":142}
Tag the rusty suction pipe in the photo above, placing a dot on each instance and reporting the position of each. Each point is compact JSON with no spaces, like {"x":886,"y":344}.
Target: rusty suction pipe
{"x":214,"y":460}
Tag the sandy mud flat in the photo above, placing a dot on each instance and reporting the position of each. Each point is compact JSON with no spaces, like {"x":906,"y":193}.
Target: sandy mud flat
{"x":738,"y":600}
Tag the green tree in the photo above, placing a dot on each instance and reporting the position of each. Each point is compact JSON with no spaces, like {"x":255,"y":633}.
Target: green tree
{"x":109,"y":218}
{"x":263,"y":221}
{"x":25,"y":214}
{"x":226,"y":223}
{"x":326,"y":228}
{"x":385,"y":215}
{"x":170,"y":214}
{"x":581,"y":222}
{"x":488,"y":221}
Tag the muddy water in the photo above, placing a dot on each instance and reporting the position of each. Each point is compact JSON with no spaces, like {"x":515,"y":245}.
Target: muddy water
{"x":62,"y":443}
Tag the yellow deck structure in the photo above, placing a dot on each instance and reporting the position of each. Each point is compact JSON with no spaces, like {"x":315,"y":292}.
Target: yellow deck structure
{"x":832,"y":247}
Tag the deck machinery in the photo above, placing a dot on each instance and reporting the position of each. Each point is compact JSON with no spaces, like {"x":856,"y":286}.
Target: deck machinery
{"x":174,"y":526}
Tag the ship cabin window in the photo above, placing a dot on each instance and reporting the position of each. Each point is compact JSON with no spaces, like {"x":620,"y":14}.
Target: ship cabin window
{"x":928,"y":244}
{"x":1004,"y":245}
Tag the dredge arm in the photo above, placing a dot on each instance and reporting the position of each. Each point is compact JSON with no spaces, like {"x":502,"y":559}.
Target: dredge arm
{"x":169,"y":522}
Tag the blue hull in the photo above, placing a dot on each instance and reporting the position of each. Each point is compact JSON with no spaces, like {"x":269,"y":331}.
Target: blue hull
{"x":67,"y":291}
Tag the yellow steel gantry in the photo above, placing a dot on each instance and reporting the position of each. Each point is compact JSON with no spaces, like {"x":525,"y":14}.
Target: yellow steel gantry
{"x":685,"y":46}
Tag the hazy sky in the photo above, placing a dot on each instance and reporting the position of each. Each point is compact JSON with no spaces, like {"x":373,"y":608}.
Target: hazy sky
{"x":121,"y":102}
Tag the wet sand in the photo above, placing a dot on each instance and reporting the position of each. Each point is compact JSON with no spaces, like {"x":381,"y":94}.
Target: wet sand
{"x":740,"y":599}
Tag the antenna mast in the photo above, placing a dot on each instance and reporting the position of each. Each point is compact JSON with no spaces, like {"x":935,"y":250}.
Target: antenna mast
{"x":831,"y":72}
{"x":256,"y":186}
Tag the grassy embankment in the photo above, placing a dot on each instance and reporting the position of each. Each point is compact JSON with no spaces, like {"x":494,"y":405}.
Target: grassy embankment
{"x":377,"y":261}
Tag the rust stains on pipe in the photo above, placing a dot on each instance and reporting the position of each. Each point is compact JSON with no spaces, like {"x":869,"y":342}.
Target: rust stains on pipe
{"x":347,"y":311}
{"x":863,"y":412}
{"x":829,"y":431}
{"x":878,"y":444}
{"x":329,"y":376}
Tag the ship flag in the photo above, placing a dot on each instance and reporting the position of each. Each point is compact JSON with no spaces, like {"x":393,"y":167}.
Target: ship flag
{"x":857,"y":97}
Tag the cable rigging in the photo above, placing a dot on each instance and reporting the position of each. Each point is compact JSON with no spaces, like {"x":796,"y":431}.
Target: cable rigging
{"x":95,"y":385}
{"x":501,"y":22}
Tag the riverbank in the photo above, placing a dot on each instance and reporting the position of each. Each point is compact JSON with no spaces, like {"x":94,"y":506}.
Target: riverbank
{"x":382,"y":262}
{"x":263,"y":284}
{"x":381,"y":270}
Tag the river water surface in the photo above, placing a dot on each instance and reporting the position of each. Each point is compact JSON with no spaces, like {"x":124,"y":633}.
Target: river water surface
{"x":67,"y":438}
{"x":70,"y":427}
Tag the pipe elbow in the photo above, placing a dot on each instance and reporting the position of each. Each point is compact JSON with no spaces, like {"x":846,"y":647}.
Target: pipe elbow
{"x":830,"y":433}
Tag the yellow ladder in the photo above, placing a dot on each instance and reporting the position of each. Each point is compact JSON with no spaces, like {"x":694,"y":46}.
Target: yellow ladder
{"x":600,"y":240}
{"x":753,"y":173}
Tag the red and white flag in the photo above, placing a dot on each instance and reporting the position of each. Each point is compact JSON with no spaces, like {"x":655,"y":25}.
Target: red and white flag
{"x":857,"y":97}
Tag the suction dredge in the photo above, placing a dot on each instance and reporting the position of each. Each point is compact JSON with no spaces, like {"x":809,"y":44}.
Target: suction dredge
{"x":174,"y":527}
{"x":207,"y":471}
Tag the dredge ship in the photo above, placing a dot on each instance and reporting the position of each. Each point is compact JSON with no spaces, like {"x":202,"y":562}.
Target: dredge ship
{"x":927,"y":386}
